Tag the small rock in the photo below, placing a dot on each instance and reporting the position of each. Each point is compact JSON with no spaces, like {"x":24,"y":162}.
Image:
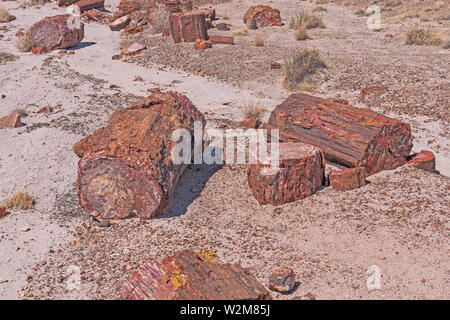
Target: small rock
{"x":2,"y":211}
{"x":282,"y":280}
{"x":103,"y":224}
{"x":25,"y":229}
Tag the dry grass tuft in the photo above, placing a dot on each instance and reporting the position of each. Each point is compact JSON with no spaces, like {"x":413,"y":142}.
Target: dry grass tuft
{"x":360,"y":12}
{"x":319,"y":9}
{"x":7,"y":57}
{"x":24,"y":43}
{"x":301,"y":34}
{"x":239,"y":32}
{"x":299,"y":66}
{"x":307,"y":87}
{"x":160,"y":18}
{"x":5,"y":16}
{"x":254,"y":109}
{"x":259,"y":40}
{"x":306,"y":19}
{"x":21,"y":112}
{"x":21,"y":200}
{"x":420,"y":35}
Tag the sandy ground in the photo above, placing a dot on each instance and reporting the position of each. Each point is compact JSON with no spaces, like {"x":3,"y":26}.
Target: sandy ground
{"x":398,"y":221}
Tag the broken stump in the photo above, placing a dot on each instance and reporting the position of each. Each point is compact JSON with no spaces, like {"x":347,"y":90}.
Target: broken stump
{"x":348,"y":179}
{"x":349,"y":136}
{"x":127,"y":168}
{"x":189,"y":276}
{"x":262,"y":16}
{"x":53,"y":33}
{"x":188,"y":27}
{"x":300,"y":173}
{"x":424,"y":160}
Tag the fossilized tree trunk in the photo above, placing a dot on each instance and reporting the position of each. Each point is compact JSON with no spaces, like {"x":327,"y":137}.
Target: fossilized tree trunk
{"x":188,"y":27}
{"x":53,"y":33}
{"x":188,"y":276}
{"x":126,"y":168}
{"x":348,"y":135}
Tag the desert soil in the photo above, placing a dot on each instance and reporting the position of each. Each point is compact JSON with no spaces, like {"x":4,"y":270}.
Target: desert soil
{"x":399,"y":221}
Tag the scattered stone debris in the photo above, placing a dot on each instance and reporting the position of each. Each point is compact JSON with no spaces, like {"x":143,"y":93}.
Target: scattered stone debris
{"x":202,"y":44}
{"x":11,"y":121}
{"x":188,"y":275}
{"x":113,"y":157}
{"x":348,"y":179}
{"x":262,"y":16}
{"x":53,"y":33}
{"x":133,"y":29}
{"x":120,"y":23}
{"x":282,"y":280}
{"x":348,"y":135}
{"x":423,"y":160}
{"x":133,"y":49}
{"x":300,"y":173}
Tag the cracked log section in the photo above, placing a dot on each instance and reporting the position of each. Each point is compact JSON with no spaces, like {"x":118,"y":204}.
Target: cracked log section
{"x":349,"y":136}
{"x":126,"y":168}
{"x":53,"y":33}
{"x":188,"y":27}
{"x":189,"y":276}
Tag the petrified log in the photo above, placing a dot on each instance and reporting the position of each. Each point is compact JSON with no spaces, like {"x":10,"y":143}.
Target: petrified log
{"x":63,"y":3}
{"x":300,"y":173}
{"x":188,"y":27}
{"x":348,"y":179}
{"x":262,"y":16}
{"x":120,"y":23}
{"x":86,"y":5}
{"x":423,"y":160}
{"x":215,"y":39}
{"x":190,"y":276}
{"x":53,"y":33}
{"x":126,"y":168}
{"x":349,"y":136}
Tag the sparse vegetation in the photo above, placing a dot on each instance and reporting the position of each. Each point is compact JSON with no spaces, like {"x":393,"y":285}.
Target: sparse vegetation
{"x":239,"y":32}
{"x":5,"y":16}
{"x":360,"y":12}
{"x":21,"y":112}
{"x":24,"y":43}
{"x":259,"y":40}
{"x":299,"y":66}
{"x":307,"y":19}
{"x":21,"y":200}
{"x":301,"y":34}
{"x":319,"y":9}
{"x":254,"y":109}
{"x":420,"y":35}
{"x":6,"y":57}
{"x":307,"y":87}
{"x":160,"y":18}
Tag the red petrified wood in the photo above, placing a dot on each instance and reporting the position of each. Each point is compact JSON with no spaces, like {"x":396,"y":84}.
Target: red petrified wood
{"x":120,"y":23}
{"x":2,"y":211}
{"x":53,"y":33}
{"x":126,"y":168}
{"x":189,"y":276}
{"x":300,"y":173}
{"x":423,"y":160}
{"x":349,"y":136}
{"x":282,"y":280}
{"x":348,"y":179}
{"x":86,"y":5}
{"x":262,"y":16}
{"x":188,"y":27}
{"x":10,"y":121}
{"x":214,"y":39}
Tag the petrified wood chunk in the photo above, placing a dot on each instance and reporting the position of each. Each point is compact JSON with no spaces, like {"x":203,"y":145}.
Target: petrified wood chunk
{"x":120,"y":23}
{"x":189,"y":276}
{"x":11,"y":121}
{"x":63,"y":3}
{"x":126,"y":168}
{"x":262,"y":16}
{"x":188,"y":27}
{"x":282,"y":280}
{"x":300,"y":173}
{"x":86,"y":5}
{"x":348,"y":179}
{"x":349,"y":136}
{"x":423,"y":160}
{"x":215,"y":39}
{"x":53,"y":33}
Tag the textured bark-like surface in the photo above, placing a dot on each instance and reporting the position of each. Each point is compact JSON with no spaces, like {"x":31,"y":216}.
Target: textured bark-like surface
{"x":423,"y":160}
{"x":120,"y":23}
{"x":86,"y":5}
{"x":126,"y":168}
{"x":128,"y":6}
{"x":301,"y":172}
{"x":10,"y":121}
{"x":64,"y":3}
{"x":209,"y":13}
{"x":282,"y":280}
{"x":349,"y":136}
{"x":348,"y":179}
{"x":215,"y":39}
{"x":262,"y":16}
{"x":188,"y":27}
{"x":186,"y":276}
{"x":53,"y":33}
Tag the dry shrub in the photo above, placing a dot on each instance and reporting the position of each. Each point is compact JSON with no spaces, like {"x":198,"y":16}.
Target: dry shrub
{"x":24,"y":43}
{"x":319,"y":9}
{"x":307,"y":87}
{"x":21,"y":200}
{"x":322,"y":1}
{"x":21,"y":112}
{"x":420,"y":35}
{"x":4,"y":15}
{"x":254,"y":109}
{"x":159,"y":17}
{"x":240,"y":32}
{"x":299,"y":66}
{"x":306,"y":19}
{"x":301,"y":34}
{"x":259,"y":40}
